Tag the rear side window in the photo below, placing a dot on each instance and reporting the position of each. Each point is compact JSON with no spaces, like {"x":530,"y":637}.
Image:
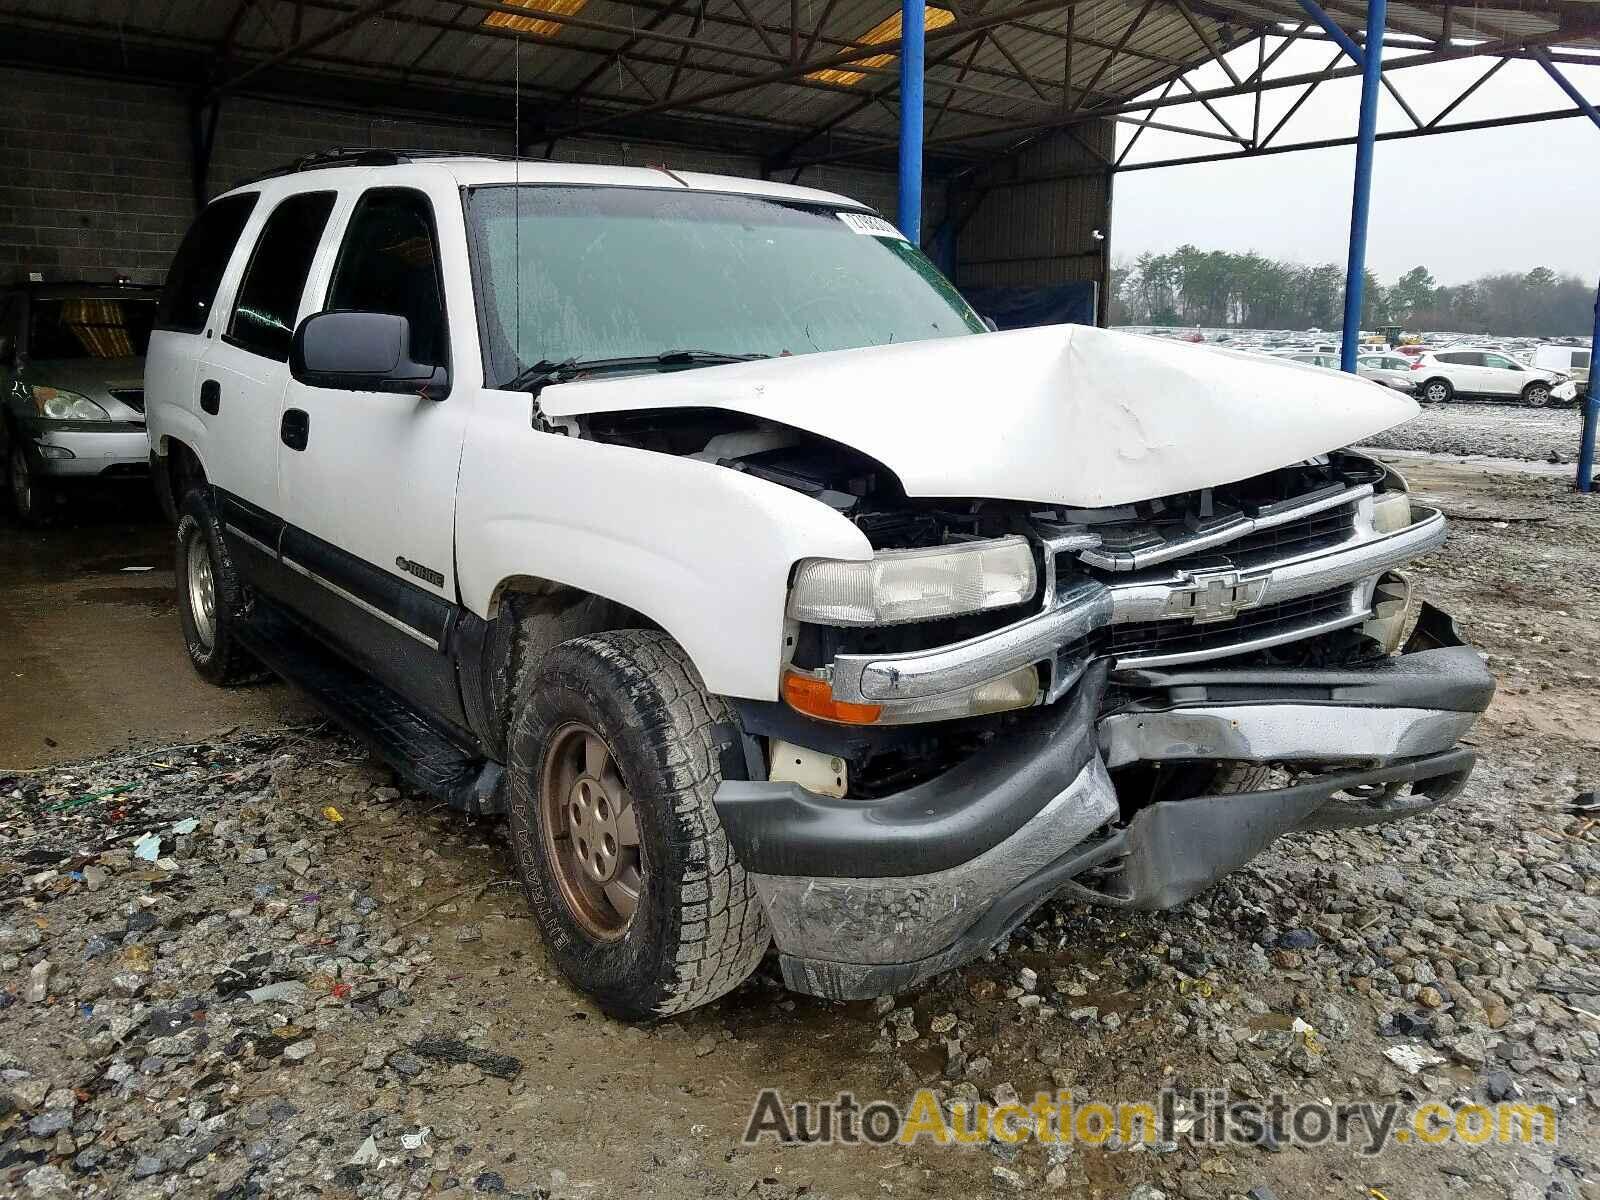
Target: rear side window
{"x":269,"y":295}
{"x":389,"y":263}
{"x":196,"y":272}
{"x":1462,"y":359}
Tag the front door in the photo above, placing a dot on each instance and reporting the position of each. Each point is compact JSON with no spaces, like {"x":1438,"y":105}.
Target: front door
{"x":368,"y":479}
{"x":1501,"y":376}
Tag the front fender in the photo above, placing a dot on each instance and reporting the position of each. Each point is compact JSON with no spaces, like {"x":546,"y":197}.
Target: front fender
{"x":702,"y":550}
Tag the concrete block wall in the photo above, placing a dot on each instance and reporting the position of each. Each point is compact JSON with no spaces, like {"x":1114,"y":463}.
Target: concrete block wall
{"x":95,"y":177}
{"x":96,"y":173}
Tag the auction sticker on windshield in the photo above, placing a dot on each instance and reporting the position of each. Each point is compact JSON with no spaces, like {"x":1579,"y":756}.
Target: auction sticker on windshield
{"x":872,"y":226}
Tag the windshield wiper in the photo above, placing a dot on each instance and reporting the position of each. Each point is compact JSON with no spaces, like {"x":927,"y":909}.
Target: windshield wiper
{"x":547,"y":370}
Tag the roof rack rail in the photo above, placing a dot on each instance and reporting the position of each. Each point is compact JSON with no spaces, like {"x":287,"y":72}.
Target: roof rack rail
{"x":366,"y":156}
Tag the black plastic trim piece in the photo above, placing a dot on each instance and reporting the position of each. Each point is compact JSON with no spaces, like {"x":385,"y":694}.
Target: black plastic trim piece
{"x":255,"y":523}
{"x":424,"y":753}
{"x":1170,"y":852}
{"x":425,"y":612}
{"x":469,"y":648}
{"x":399,"y":631}
{"x":1437,"y":670}
{"x":1177,"y":848}
{"x":782,"y":829}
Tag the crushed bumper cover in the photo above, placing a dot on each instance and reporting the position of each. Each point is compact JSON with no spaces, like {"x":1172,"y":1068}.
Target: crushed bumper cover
{"x":868,"y":897}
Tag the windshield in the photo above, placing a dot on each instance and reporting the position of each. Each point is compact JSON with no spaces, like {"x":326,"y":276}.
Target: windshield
{"x":608,"y":272}
{"x":90,"y":327}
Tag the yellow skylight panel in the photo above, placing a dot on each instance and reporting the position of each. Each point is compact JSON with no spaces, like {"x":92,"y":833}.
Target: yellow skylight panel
{"x":534,"y":25}
{"x":886,"y":30}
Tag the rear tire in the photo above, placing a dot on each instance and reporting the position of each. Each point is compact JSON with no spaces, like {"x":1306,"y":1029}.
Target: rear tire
{"x":211,"y":600}
{"x":1536,"y":395}
{"x":1436,"y":391}
{"x":615,"y":752}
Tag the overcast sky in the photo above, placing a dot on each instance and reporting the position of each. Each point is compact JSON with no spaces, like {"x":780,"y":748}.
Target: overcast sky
{"x":1462,"y":204}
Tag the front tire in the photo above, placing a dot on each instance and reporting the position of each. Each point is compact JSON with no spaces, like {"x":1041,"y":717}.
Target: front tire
{"x":615,"y":752}
{"x":1536,"y":395}
{"x":1436,"y":391}
{"x":211,"y":600}
{"x":31,"y":499}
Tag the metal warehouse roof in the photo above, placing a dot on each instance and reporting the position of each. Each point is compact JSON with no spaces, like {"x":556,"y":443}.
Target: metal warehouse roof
{"x":792,"y":80}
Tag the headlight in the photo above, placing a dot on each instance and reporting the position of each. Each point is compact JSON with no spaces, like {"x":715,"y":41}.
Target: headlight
{"x":55,"y":404}
{"x":898,"y":586}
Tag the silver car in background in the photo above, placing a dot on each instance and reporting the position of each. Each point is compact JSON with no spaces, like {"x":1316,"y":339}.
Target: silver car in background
{"x":1389,"y":369}
{"x":72,"y":388}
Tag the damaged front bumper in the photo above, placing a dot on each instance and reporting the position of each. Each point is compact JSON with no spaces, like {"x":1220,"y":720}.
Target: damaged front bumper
{"x":867,"y":897}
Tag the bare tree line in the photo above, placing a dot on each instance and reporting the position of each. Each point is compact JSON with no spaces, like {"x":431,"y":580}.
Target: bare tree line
{"x":1214,"y":288}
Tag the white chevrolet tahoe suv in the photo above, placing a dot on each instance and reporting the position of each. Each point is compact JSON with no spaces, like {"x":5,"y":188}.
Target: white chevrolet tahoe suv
{"x":699,"y":527}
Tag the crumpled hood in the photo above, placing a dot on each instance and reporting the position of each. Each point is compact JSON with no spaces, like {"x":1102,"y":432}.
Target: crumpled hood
{"x":1066,"y":414}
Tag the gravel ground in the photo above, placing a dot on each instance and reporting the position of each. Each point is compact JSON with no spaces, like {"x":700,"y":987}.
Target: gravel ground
{"x":1489,"y":430}
{"x":252,"y":967}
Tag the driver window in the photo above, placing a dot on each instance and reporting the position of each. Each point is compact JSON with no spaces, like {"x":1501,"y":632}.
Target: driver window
{"x":389,"y":263}
{"x":1494,"y":360}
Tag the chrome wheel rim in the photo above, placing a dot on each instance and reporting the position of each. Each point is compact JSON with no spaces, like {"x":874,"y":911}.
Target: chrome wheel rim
{"x":1436,"y":393}
{"x":21,"y":482}
{"x":590,"y":830}
{"x":202,"y":590}
{"x":1538,"y":396}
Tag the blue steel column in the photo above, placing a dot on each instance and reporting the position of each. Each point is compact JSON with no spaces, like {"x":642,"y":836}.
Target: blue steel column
{"x":913,"y":18}
{"x":1591,"y":407}
{"x":1355,"y":270}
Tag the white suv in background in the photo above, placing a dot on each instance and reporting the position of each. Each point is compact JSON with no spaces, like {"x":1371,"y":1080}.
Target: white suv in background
{"x":1487,"y":374}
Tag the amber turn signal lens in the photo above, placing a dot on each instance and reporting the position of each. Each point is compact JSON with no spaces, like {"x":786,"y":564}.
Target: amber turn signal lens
{"x":814,"y":697}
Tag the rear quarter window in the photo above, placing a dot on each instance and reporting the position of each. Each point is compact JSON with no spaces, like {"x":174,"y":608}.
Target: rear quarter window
{"x":202,"y":258}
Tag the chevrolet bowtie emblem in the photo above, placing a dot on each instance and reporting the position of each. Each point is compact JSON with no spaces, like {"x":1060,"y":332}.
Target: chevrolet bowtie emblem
{"x":1217,"y":595}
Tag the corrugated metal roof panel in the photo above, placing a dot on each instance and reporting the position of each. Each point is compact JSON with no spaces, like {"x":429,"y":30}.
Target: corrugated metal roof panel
{"x":1012,"y":76}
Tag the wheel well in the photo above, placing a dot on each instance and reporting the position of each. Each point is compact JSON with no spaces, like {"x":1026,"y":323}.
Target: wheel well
{"x":179,"y":471}
{"x":531,"y":616}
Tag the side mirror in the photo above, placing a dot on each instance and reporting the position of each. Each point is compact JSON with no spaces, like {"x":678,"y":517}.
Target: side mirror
{"x":363,"y":352}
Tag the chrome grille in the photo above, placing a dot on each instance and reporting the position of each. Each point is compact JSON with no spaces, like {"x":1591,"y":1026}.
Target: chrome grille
{"x":1160,"y":639}
{"x":1324,"y":528}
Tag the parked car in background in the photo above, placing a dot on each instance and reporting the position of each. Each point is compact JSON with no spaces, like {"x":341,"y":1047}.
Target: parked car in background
{"x":72,"y":388}
{"x":1570,"y":360}
{"x":1486,"y":374}
{"x":1391,"y":370}
{"x":1311,"y":357}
